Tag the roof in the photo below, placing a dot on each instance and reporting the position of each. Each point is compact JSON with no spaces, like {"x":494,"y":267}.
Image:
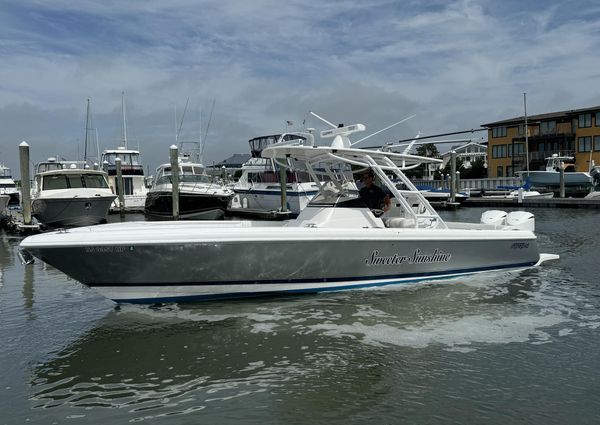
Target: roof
{"x":542,"y":117}
{"x":457,"y":147}
{"x":235,"y":160}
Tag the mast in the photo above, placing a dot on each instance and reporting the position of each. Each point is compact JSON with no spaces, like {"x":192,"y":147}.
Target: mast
{"x":87,"y":129}
{"x":124,"y":119}
{"x":526,"y":134}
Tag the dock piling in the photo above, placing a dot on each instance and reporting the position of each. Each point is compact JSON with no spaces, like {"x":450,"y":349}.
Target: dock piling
{"x":120,"y":188}
{"x":25,"y":182}
{"x":174,"y":157}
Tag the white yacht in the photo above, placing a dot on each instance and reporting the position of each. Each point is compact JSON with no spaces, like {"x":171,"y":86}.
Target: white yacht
{"x":132,"y":170}
{"x":69,"y":196}
{"x":258,"y":189}
{"x":8,"y":186}
{"x":199,"y":197}
{"x":336,"y":242}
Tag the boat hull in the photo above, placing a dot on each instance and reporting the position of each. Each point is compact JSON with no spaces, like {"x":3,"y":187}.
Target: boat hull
{"x":192,"y":206}
{"x":269,"y":200}
{"x":76,"y":211}
{"x":552,"y":178}
{"x":231,"y":263}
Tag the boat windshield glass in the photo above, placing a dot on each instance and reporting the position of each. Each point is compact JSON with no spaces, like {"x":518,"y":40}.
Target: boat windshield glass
{"x":332,"y":194}
{"x":74,"y":181}
{"x":126,"y":158}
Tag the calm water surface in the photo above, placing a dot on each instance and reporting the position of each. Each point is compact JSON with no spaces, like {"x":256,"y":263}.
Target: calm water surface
{"x":495,"y":349}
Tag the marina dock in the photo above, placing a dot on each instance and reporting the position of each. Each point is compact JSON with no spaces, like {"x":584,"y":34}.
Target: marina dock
{"x":533,"y":203}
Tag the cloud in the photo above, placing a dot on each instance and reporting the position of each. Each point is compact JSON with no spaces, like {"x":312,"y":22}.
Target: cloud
{"x":455,"y":64}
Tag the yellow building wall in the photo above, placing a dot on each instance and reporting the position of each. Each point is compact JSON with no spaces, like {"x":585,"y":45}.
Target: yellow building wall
{"x":582,"y":159}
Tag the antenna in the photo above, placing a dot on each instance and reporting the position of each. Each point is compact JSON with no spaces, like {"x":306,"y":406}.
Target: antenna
{"x":87,"y":129}
{"x":410,"y":145}
{"x":182,"y":117}
{"x":207,"y":127}
{"x":383,"y":129}
{"x":124,"y":119}
{"x":323,"y":119}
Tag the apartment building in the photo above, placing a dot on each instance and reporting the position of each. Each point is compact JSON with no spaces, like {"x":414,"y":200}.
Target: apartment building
{"x":573,"y":133}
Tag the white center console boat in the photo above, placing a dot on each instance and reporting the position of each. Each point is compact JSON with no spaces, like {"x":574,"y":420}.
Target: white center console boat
{"x":335,"y":243}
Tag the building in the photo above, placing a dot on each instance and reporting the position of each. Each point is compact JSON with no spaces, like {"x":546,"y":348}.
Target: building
{"x":573,"y":133}
{"x":468,"y":153}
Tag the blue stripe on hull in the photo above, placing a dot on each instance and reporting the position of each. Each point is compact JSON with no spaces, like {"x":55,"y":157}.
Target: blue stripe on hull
{"x":402,"y":279}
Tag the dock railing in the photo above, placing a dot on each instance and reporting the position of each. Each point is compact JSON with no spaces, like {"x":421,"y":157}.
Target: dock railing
{"x":476,"y":184}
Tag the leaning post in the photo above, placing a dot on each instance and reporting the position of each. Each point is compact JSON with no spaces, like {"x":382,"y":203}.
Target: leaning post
{"x":174,"y":155}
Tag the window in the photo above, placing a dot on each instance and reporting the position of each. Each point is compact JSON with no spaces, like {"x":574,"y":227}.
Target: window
{"x":584,"y":144}
{"x":597,"y":119}
{"x":597,"y":143}
{"x":548,"y":127}
{"x":499,"y":170}
{"x":499,"y":151}
{"x":519,"y":149}
{"x":585,"y":120}
{"x":521,"y":129}
{"x":499,"y":132}
{"x":509,"y":171}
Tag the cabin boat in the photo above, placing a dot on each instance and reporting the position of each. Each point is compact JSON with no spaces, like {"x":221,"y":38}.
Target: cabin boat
{"x":551,"y":175}
{"x":132,"y":172}
{"x":258,"y":189}
{"x":335,"y":243}
{"x":69,"y":196}
{"x":199,"y":197}
{"x":8,"y":186}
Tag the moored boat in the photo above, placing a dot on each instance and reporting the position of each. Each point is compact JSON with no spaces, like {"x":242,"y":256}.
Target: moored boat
{"x":199,"y":197}
{"x":70,"y":197}
{"x":258,"y":190}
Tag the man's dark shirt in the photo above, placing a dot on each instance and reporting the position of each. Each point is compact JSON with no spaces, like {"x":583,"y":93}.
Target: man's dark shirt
{"x":373,"y":197}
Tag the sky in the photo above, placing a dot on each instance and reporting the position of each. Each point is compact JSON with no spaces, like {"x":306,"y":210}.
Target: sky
{"x":248,"y":67}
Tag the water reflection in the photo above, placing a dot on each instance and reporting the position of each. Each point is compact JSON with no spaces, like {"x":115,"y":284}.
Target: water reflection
{"x":283,"y":355}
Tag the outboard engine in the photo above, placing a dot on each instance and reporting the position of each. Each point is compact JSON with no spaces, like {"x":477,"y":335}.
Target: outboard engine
{"x":494,"y":217}
{"x":521,"y":219}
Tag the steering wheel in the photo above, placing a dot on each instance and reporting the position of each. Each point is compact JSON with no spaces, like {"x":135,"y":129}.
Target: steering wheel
{"x":377,"y":212}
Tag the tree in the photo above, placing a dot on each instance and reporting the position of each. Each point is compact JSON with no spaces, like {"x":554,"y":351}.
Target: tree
{"x":428,"y":150}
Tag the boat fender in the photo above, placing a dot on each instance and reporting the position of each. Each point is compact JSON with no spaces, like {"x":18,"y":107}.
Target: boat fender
{"x":493,"y":217}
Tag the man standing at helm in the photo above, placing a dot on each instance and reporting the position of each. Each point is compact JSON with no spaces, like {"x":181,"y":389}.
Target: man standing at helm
{"x":373,"y":195}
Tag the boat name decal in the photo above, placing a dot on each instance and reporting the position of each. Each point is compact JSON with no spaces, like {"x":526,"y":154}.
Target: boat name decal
{"x":519,"y":245}
{"x":104,"y":249}
{"x":438,"y":256}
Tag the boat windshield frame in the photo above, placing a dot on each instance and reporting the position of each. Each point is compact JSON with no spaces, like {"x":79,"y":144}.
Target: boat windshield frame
{"x":388,"y":166}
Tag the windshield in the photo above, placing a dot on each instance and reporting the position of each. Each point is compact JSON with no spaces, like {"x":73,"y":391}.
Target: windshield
{"x":73,"y":181}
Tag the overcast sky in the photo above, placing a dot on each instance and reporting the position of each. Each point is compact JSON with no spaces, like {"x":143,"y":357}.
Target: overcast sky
{"x":455,"y":64}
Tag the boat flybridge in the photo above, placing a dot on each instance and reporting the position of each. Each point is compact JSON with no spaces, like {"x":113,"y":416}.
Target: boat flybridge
{"x":335,"y":243}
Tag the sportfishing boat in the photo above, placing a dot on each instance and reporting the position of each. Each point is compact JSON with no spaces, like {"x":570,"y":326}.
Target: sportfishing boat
{"x":551,"y":176}
{"x":199,"y":197}
{"x":8,"y":186}
{"x":132,"y":171}
{"x":259,"y":190}
{"x":70,"y":196}
{"x":335,"y":243}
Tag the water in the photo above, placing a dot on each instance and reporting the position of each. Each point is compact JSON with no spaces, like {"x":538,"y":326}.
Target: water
{"x":495,"y":349}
